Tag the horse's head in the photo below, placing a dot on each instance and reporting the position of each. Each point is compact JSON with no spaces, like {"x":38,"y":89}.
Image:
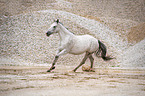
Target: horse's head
{"x":53,"y":28}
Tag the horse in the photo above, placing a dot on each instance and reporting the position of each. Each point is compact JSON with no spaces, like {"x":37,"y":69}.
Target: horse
{"x":76,"y":44}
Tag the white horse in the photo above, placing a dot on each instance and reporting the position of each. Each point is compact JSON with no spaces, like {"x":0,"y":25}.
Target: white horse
{"x":76,"y":44}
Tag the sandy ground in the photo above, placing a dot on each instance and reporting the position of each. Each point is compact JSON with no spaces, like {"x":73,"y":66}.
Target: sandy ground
{"x":35,"y":81}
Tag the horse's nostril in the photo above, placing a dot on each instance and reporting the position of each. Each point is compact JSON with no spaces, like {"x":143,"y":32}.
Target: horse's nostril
{"x":48,"y":33}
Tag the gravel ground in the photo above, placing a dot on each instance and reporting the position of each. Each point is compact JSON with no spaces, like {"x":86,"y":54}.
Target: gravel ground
{"x":35,"y":81}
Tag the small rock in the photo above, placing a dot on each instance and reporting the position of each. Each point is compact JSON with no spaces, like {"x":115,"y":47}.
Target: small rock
{"x":86,"y":68}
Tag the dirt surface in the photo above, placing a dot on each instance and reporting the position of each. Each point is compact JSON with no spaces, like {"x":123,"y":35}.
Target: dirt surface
{"x":35,"y":81}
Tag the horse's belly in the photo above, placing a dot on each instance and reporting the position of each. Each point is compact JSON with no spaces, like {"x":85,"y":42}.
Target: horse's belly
{"x":77,"y":51}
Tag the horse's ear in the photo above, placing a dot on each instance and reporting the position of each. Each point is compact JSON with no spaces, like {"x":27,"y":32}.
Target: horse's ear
{"x":57,"y":20}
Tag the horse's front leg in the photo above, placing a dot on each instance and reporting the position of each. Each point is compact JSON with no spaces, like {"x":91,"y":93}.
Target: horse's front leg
{"x":53,"y":67}
{"x":59,"y":53}
{"x":83,"y":61}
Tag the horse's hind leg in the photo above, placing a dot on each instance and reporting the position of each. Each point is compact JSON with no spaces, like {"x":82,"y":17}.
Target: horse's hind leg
{"x":92,"y":61}
{"x":53,"y":67}
{"x":83,"y":61}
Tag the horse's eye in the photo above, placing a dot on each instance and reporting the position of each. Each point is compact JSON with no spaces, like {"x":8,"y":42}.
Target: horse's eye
{"x":54,"y":26}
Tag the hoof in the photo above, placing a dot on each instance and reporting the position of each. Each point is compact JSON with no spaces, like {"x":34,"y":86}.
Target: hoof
{"x":91,"y":70}
{"x":48,"y":70}
{"x":53,"y":67}
{"x":71,"y":71}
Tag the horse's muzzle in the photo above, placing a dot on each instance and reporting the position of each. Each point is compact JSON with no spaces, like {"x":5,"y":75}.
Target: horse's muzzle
{"x":48,"y":33}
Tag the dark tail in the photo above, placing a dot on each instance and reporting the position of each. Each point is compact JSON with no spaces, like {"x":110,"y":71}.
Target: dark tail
{"x":103,"y":50}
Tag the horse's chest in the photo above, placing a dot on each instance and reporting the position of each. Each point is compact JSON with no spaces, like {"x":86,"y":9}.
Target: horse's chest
{"x":66,"y":43}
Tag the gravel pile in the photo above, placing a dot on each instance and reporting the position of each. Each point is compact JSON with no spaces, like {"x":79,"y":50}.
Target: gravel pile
{"x":134,"y":55}
{"x":23,"y":40}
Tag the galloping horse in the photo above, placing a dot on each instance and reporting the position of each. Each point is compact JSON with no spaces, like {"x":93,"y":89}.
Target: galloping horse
{"x":76,"y":44}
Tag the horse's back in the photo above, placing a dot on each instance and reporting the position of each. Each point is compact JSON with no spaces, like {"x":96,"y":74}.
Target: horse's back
{"x":84,"y":43}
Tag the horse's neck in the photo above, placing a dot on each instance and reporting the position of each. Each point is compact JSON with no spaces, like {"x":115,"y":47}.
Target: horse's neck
{"x":64,"y":33}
